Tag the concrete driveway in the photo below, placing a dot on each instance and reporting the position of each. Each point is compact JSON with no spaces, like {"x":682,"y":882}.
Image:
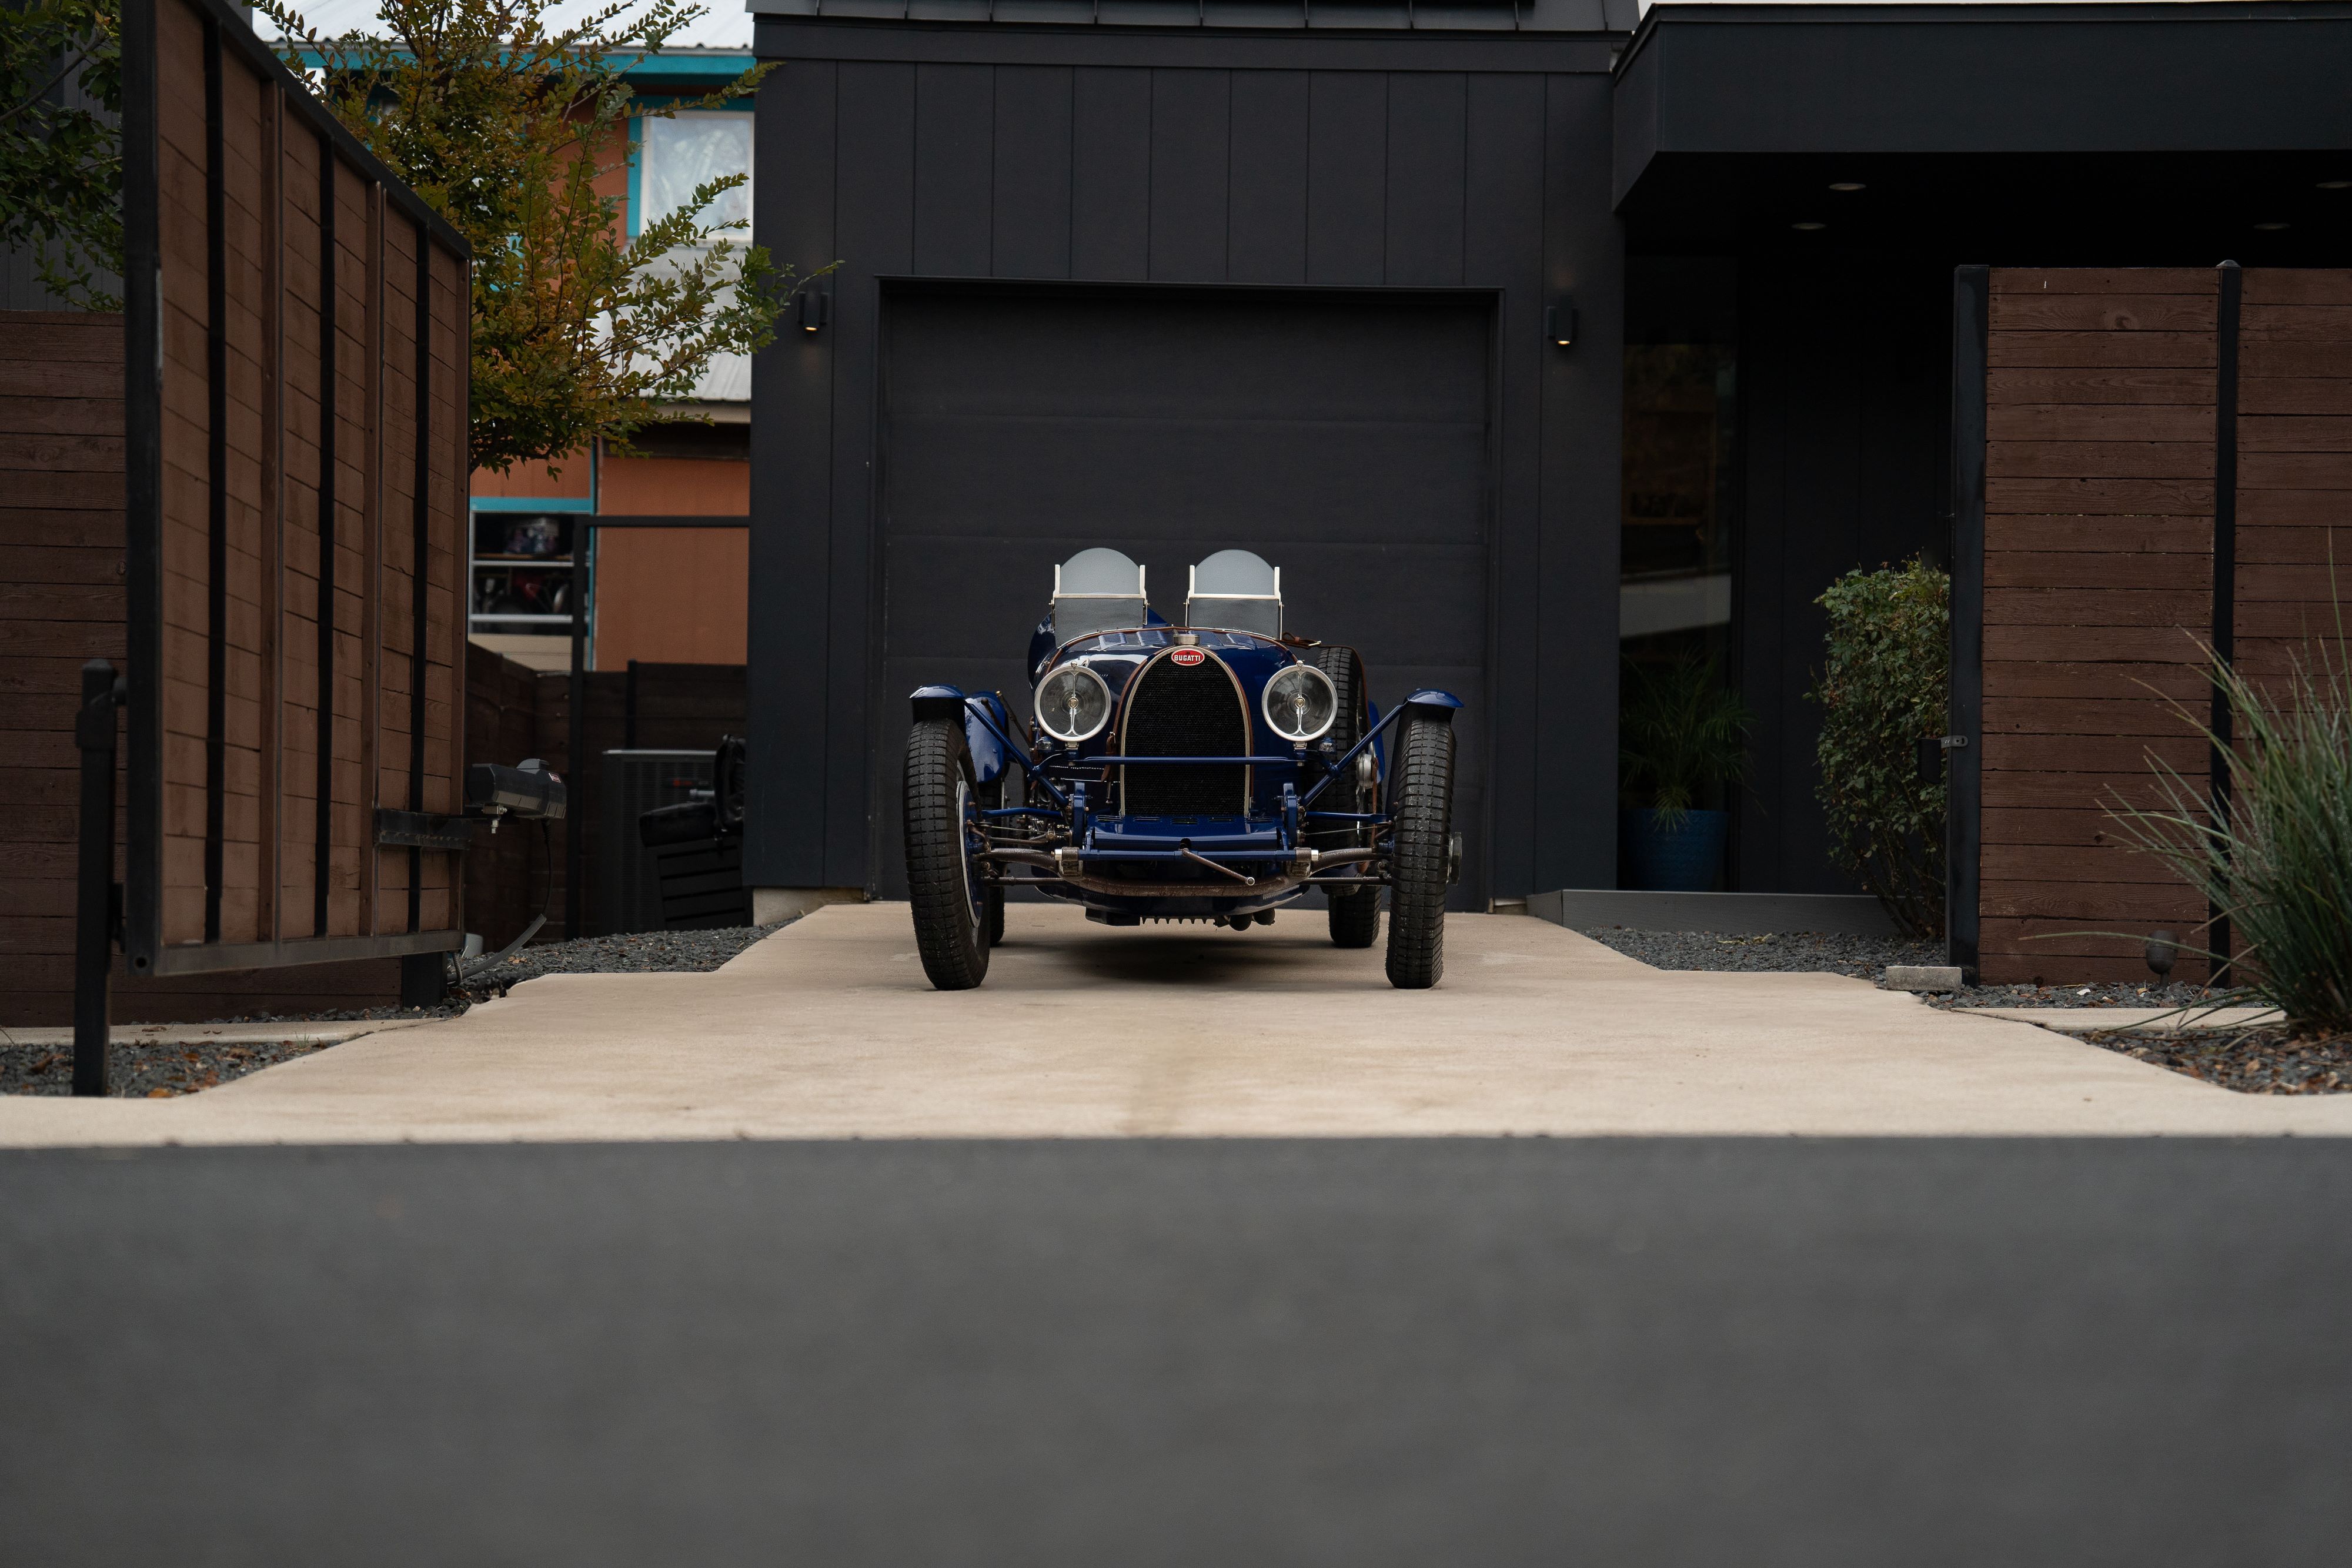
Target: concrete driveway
{"x":828,"y":1030}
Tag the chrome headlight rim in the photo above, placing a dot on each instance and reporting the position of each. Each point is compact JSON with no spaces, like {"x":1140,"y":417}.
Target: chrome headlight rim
{"x":1305,"y":671}
{"x":1037,"y":704}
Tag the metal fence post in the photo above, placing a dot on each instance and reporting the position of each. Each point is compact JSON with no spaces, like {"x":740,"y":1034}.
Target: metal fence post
{"x":94,"y":897}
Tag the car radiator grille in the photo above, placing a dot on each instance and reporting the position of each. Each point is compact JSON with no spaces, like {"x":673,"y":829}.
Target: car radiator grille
{"x":1175,"y":710}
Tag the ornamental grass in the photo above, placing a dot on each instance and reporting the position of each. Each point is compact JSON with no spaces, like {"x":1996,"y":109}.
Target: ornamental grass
{"x":2277,"y":863}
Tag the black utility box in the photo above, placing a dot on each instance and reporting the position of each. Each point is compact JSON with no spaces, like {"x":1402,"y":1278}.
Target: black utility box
{"x":676,"y":887}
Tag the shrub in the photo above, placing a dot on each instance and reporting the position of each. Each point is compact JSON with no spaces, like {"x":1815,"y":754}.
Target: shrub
{"x":2278,"y":865}
{"x":1885,"y":687}
{"x":1680,"y":733}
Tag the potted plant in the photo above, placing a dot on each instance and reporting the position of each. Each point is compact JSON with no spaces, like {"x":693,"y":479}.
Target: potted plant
{"x":1682,"y":736}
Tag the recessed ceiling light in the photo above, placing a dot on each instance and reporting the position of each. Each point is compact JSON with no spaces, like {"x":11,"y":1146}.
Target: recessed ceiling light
{"x":1808,"y":227}
{"x":2269,"y":228}
{"x":2335,"y":184}
{"x":1845,"y":185}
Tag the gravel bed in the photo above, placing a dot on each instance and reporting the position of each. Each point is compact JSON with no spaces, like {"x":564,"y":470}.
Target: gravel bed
{"x":636,"y":952}
{"x":160,"y":1071}
{"x":2251,"y":1061}
{"x":144,"y":1071}
{"x":1814,"y":952}
{"x":2111,"y":995}
{"x":1865,"y":958}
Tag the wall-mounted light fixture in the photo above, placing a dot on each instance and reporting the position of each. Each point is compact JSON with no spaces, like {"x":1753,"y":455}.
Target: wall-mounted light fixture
{"x":809,"y":309}
{"x":1560,"y":325}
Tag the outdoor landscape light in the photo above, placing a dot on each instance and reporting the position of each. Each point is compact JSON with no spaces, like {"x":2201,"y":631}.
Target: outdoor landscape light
{"x":1301,"y":703}
{"x":1560,"y":325}
{"x":1809,"y":226}
{"x":1072,"y":705}
{"x":2335,"y":184}
{"x":1845,"y":185}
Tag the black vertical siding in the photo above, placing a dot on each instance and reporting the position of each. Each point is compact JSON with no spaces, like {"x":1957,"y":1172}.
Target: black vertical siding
{"x":1577,"y":520}
{"x":1495,"y":180}
{"x":1504,"y":240}
{"x":1428,"y":125}
{"x":1265,"y":239}
{"x":955,"y":123}
{"x":1030,"y":232}
{"x":791,"y":485}
{"x":1192,"y":117}
{"x":874,"y":222}
{"x":1347,"y":177}
{"x":1111,"y":175}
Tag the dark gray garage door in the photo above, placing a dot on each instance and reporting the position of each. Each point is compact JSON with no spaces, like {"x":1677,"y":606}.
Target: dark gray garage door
{"x":1342,"y":438}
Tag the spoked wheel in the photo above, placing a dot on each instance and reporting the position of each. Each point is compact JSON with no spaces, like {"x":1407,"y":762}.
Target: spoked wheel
{"x":1421,"y":851}
{"x":1008,"y":793}
{"x":944,"y":877}
{"x":1355,"y":913}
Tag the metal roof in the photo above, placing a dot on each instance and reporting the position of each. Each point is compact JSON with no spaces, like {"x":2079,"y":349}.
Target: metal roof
{"x":1292,"y":15}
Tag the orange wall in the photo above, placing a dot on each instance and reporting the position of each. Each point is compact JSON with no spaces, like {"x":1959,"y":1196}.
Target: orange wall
{"x":663,"y":487}
{"x":671,"y":595}
{"x":570,"y":481}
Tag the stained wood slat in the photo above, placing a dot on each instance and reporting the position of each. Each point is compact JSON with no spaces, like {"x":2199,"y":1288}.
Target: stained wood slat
{"x":246,"y":418}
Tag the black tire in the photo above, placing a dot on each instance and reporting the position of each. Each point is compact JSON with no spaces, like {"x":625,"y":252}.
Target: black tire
{"x":950,"y":905}
{"x":1421,"y":802}
{"x":1355,"y":916}
{"x":995,"y":916}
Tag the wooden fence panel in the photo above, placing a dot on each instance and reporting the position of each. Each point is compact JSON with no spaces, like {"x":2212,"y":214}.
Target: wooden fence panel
{"x":2098,"y":481}
{"x":296,"y":514}
{"x":2294,"y":467}
{"x":2104,"y":552}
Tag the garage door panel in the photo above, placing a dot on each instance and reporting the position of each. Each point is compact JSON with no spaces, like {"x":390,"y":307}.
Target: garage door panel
{"x":1167,"y":480}
{"x":1344,"y":439}
{"x":1399,"y":604}
{"x":1271,"y":360}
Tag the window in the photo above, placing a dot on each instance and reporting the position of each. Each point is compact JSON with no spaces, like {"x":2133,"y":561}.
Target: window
{"x":676,"y":155}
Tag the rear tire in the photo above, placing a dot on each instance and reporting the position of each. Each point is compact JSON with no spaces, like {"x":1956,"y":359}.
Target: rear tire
{"x":1355,"y":916}
{"x":951,"y":905}
{"x":1420,"y":803}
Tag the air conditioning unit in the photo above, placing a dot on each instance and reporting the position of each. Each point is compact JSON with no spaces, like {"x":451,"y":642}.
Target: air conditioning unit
{"x":673,"y":887}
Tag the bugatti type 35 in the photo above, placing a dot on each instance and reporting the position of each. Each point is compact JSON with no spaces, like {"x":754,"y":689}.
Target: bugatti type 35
{"x":1212,"y":771}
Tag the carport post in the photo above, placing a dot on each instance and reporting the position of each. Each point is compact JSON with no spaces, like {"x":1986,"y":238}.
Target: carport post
{"x":94,"y":913}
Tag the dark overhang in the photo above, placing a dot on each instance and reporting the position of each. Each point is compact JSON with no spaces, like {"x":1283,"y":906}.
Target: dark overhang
{"x":1964,"y":115}
{"x":1731,"y":80}
{"x":1268,"y":35}
{"x":1320,"y":15}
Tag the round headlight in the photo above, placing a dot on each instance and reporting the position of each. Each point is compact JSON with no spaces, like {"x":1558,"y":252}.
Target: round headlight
{"x":1301,"y":703}
{"x":1073,"y":703}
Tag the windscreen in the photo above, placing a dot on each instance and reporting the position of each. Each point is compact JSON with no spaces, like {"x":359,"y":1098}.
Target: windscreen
{"x":1235,"y":590}
{"x":1095,"y":590}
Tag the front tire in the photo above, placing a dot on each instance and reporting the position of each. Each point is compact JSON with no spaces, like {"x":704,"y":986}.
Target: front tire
{"x":950,"y":902}
{"x":1421,"y":804}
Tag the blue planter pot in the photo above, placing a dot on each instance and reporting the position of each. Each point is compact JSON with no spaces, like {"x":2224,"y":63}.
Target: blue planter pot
{"x":1685,"y":857}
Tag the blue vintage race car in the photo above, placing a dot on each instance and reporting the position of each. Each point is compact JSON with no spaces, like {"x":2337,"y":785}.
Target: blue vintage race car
{"x":1211,"y":771}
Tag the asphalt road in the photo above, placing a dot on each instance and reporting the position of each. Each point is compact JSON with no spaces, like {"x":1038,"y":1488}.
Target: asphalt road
{"x":1141,"y":1352}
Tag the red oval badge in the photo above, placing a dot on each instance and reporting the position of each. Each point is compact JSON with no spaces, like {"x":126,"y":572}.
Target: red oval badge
{"x":1188,"y":656}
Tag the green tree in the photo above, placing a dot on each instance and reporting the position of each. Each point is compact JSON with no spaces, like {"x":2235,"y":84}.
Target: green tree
{"x":61,"y":164}
{"x":1884,"y":687}
{"x":503,"y":123}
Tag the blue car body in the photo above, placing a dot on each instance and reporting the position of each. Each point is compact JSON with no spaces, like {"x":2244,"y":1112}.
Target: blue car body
{"x":1182,"y":806}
